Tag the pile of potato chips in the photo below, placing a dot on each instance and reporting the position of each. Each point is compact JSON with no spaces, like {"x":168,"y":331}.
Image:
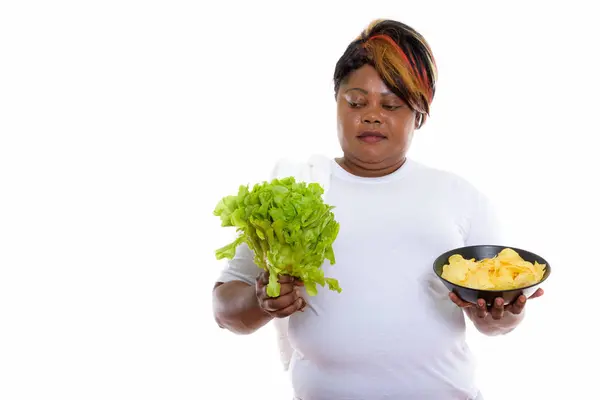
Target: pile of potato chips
{"x":505,"y":271}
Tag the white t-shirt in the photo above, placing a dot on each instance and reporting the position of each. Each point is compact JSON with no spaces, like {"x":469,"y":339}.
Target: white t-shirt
{"x":392,"y":333}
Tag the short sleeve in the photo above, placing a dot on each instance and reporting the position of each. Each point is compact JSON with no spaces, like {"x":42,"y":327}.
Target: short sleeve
{"x":484,"y":223}
{"x":241,"y":267}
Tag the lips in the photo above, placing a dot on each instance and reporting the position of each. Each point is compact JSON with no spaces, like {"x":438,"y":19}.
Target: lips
{"x":371,"y":136}
{"x":371,"y":133}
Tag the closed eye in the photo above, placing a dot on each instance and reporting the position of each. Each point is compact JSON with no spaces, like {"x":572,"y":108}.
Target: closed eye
{"x":392,"y":108}
{"x":354,"y":105}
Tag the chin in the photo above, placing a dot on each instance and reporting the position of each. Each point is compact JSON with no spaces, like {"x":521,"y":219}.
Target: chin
{"x":368,"y":157}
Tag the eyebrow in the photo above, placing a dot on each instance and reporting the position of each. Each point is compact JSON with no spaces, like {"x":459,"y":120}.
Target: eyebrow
{"x":363,"y":91}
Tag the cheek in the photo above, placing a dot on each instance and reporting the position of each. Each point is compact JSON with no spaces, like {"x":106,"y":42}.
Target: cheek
{"x":409,"y":125}
{"x":404,"y":127}
{"x":347,"y":124}
{"x":340,"y":129}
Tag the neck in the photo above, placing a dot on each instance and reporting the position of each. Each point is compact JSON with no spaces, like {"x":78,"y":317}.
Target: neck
{"x":365,"y":170}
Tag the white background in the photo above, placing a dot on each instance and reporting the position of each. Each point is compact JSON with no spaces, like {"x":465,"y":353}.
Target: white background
{"x":122,"y":123}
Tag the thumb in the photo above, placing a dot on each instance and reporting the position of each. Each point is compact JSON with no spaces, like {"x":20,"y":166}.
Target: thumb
{"x":537,"y":293}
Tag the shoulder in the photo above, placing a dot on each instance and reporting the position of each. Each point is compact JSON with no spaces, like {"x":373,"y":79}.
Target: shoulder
{"x":436,"y":175}
{"x":476,"y":212}
{"x":448,"y":183}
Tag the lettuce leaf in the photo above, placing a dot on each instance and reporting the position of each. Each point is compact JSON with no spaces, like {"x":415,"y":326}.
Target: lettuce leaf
{"x":288,"y":227}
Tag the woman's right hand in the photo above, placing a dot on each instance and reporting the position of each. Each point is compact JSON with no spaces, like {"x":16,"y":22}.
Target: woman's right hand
{"x":289,"y":300}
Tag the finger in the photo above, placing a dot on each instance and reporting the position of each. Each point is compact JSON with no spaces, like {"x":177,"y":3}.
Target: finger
{"x":298,"y":282}
{"x":286,"y":288}
{"x":538,"y":293}
{"x":260,"y":288}
{"x":498,"y":308}
{"x":298,"y":305}
{"x":263,"y":278}
{"x":281,"y":302}
{"x":481,"y":308}
{"x":303,"y":304}
{"x":519,"y":304}
{"x":285,"y":279}
{"x":458,"y":301}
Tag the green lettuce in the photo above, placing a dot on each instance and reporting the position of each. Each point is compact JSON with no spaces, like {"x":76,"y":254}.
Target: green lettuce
{"x":288,"y":227}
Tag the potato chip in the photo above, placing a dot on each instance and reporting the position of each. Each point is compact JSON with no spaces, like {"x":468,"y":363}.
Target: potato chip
{"x":505,"y":271}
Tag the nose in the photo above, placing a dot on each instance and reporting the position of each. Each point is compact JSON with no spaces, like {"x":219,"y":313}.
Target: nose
{"x":371,"y":116}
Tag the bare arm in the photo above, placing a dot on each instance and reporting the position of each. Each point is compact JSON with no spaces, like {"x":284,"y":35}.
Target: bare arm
{"x":236,"y":308}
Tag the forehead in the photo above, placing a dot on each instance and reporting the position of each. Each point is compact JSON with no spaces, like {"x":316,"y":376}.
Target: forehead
{"x":366,"y":78}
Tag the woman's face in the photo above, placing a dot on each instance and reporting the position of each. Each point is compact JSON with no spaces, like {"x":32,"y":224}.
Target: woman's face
{"x":375,"y":126}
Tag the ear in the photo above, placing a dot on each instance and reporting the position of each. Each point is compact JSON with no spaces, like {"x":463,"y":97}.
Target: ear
{"x":419,"y":120}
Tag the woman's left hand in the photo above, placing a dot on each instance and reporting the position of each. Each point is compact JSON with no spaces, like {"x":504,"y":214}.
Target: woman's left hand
{"x":498,"y":309}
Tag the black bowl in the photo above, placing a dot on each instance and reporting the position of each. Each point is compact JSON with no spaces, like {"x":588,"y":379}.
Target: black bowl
{"x":479,"y":253}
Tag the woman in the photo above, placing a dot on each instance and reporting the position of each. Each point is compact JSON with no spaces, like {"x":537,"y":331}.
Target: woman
{"x":394,"y":332}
